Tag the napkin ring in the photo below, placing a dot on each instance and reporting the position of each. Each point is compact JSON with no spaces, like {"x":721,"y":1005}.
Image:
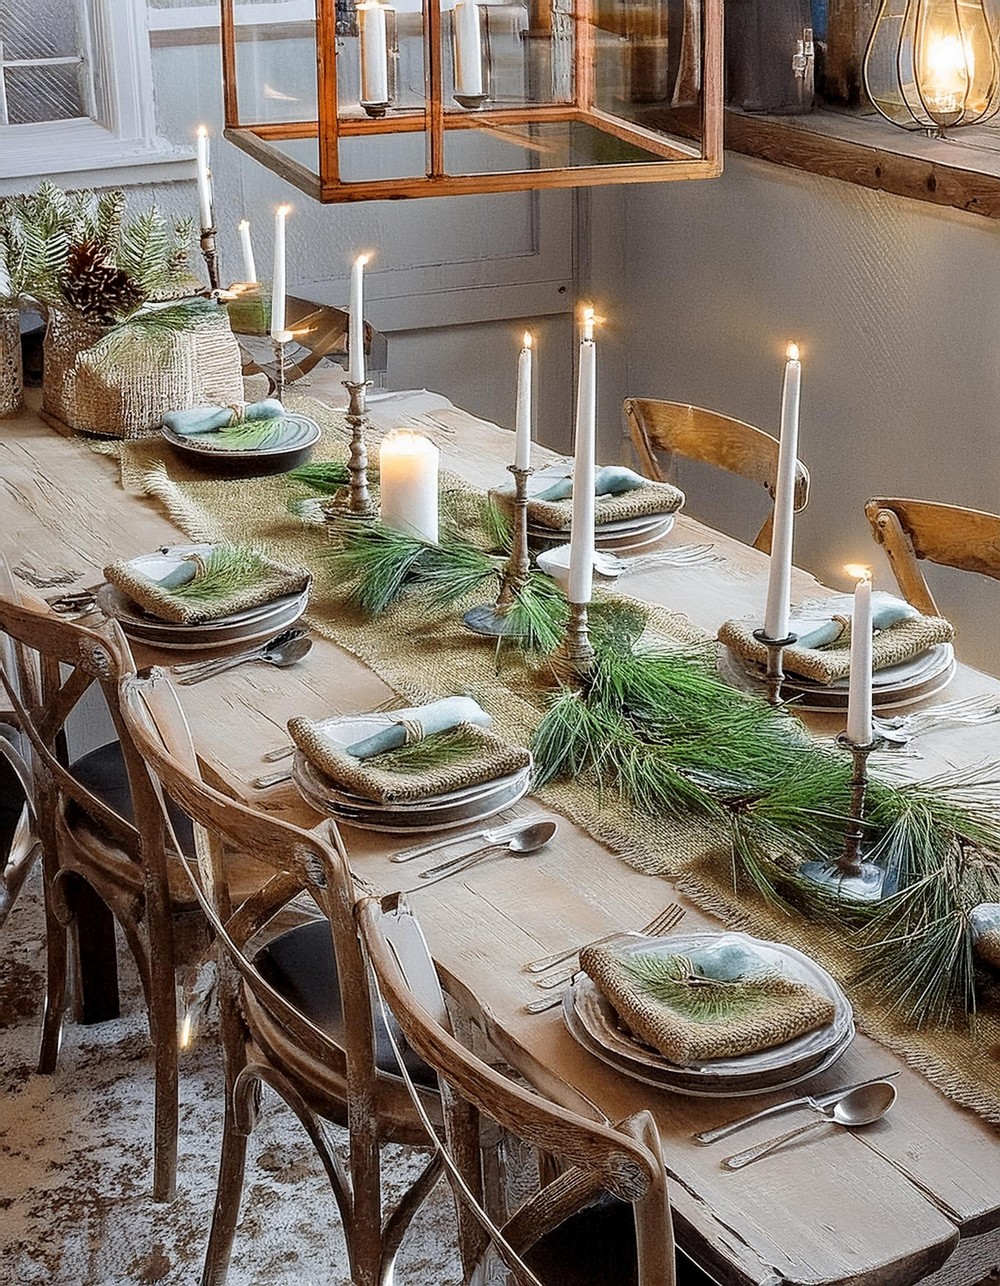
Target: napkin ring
{"x":413,"y":730}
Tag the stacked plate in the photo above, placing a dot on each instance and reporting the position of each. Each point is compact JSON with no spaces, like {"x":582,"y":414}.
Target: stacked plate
{"x":895,"y":686}
{"x":595,"y":1025}
{"x":431,"y":813}
{"x":255,"y":624}
{"x":629,"y":533}
{"x":285,"y":443}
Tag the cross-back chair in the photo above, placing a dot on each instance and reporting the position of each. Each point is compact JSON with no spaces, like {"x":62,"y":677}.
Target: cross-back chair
{"x":909,"y":530}
{"x":295,"y":1007}
{"x":104,"y":853}
{"x":19,"y":844}
{"x":692,"y":433}
{"x":603,"y":1220}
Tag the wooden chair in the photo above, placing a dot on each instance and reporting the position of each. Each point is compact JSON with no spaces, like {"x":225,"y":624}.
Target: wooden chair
{"x":19,"y":843}
{"x":603,"y":1220}
{"x":692,"y":433}
{"x":909,"y":530}
{"x":295,"y":1009}
{"x":104,"y":856}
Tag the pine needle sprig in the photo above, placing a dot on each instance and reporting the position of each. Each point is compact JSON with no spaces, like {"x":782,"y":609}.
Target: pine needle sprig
{"x":323,"y":476}
{"x":538,"y":615}
{"x":436,"y":751}
{"x":227,"y":569}
{"x":670,"y":981}
{"x":377,"y":560}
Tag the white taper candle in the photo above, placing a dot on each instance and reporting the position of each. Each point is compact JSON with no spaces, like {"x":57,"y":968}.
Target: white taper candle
{"x":205,"y":213}
{"x":246,"y":245}
{"x":522,"y":414}
{"x":859,"y":697}
{"x":581,"y":558}
{"x":374,"y":53}
{"x":278,"y":273}
{"x":779,"y":578}
{"x":356,"y":333}
{"x":468,"y":49}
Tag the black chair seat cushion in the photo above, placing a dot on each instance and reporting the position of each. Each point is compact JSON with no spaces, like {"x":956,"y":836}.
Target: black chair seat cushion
{"x":301,"y":966}
{"x":103,"y":773}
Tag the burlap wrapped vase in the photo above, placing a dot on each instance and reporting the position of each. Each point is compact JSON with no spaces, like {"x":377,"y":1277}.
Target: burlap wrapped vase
{"x":11,"y":375}
{"x":126,"y":393}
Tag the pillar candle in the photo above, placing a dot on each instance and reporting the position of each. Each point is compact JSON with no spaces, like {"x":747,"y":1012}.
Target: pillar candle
{"x":408,"y":479}
{"x":779,"y":578}
{"x":374,"y":53}
{"x":278,"y":273}
{"x":859,"y":697}
{"x":249,"y":263}
{"x":204,"y":180}
{"x":581,"y":558}
{"x":356,"y":333}
{"x":522,"y":416}
{"x":468,"y":49}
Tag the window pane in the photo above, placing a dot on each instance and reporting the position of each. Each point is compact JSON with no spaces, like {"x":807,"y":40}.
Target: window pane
{"x":39,"y":29}
{"x":43,"y":94}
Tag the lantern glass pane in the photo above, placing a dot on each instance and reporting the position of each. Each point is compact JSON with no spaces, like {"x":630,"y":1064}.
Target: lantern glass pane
{"x":382,"y":156}
{"x":275,"y":68}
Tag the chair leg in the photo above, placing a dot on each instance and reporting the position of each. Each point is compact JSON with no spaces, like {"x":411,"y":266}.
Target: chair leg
{"x":56,"y":967}
{"x":163,"y":1024}
{"x":241,"y":1110}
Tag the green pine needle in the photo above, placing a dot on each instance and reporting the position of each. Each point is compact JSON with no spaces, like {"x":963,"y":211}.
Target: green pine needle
{"x":436,"y":751}
{"x":323,"y":476}
{"x":669,"y":981}
{"x":227,"y":570}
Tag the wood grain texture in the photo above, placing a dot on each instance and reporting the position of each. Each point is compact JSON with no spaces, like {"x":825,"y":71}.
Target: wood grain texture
{"x":882,"y":1207}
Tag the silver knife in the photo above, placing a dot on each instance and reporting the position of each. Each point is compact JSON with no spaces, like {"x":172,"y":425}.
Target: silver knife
{"x":808,"y":1100}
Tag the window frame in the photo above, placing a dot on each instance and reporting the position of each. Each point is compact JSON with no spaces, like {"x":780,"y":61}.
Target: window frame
{"x":119,"y":143}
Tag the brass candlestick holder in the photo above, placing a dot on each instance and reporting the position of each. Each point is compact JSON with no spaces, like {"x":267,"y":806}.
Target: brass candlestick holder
{"x":211,"y":256}
{"x":573,"y":660}
{"x":358,"y":502}
{"x":775,"y":667}
{"x":849,"y":875}
{"x":494,"y":619}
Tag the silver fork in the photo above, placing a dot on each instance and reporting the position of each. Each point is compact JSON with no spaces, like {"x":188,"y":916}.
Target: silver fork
{"x":659,"y":923}
{"x":672,"y":915}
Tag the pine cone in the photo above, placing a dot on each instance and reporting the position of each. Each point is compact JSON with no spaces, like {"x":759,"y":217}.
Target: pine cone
{"x":95,"y":287}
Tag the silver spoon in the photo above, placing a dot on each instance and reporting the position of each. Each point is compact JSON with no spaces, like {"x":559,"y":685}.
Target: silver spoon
{"x":527,"y":840}
{"x":280,"y":654}
{"x":276,"y":640}
{"x":862,"y":1106}
{"x":498,"y":833}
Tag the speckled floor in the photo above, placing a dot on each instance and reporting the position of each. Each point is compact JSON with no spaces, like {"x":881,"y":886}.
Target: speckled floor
{"x":75,"y":1161}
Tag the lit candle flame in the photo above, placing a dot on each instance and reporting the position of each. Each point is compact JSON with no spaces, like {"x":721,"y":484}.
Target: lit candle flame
{"x":202,"y":131}
{"x":792,"y":352}
{"x":362,"y":259}
{"x":588,"y":323}
{"x":527,"y":339}
{"x":243,"y":223}
{"x":858,"y":571}
{"x":284,"y":209}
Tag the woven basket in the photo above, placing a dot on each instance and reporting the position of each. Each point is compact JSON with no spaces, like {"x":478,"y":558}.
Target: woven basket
{"x":11,"y":375}
{"x":127,"y":398}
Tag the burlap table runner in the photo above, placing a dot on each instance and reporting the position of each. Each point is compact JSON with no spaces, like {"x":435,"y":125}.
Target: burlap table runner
{"x":900,"y":642}
{"x":424,"y":657}
{"x":689,"y":1017}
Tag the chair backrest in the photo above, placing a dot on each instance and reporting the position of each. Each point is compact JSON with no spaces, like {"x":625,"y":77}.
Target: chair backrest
{"x":47,"y":667}
{"x":908,"y":530}
{"x":707,"y":437}
{"x":300,"y":862}
{"x":624,"y":1159}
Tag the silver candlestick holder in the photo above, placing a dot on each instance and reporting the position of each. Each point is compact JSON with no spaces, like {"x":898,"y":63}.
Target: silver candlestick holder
{"x":849,"y":875}
{"x":775,"y":663}
{"x":211,"y":256}
{"x":494,"y":619}
{"x":573,"y":661}
{"x":357,"y":503}
{"x":280,"y":340}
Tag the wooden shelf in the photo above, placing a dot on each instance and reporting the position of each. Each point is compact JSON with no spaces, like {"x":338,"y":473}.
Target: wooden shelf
{"x":962,"y":171}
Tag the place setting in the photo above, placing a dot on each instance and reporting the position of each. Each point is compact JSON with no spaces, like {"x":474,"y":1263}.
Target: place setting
{"x":426,"y":768}
{"x":203,"y":597}
{"x":250,"y":440}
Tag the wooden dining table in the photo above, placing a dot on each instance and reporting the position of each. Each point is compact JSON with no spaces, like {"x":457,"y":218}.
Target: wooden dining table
{"x":914,"y":1197}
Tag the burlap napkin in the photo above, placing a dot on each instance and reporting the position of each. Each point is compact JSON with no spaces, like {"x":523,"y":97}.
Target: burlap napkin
{"x":690,"y":1009}
{"x":645,"y":499}
{"x":255,"y":581}
{"x":465,"y":755}
{"x":900,"y":642}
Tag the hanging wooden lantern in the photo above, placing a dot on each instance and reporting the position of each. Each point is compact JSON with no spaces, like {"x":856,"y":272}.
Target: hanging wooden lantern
{"x":933,"y":64}
{"x":448,"y":97}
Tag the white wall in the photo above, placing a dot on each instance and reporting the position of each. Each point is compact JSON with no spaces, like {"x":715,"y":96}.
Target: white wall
{"x":897,"y":308}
